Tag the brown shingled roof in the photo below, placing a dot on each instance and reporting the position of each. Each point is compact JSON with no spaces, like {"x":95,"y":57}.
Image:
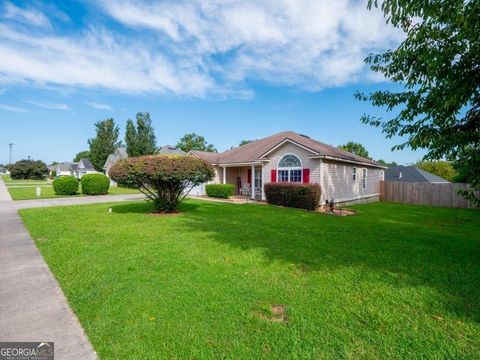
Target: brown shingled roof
{"x":258,"y":150}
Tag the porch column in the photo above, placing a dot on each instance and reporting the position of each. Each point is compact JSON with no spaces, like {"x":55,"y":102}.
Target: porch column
{"x":264,"y":197}
{"x":224,"y":175}
{"x":253,"y":182}
{"x":322,"y":183}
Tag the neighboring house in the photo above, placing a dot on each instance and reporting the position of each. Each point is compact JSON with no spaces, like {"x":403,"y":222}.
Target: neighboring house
{"x":170,"y":150}
{"x":3,"y":171}
{"x":119,"y":154}
{"x":411,"y":174}
{"x":84,"y":167}
{"x":66,"y":169}
{"x":77,"y":169}
{"x":291,"y":157}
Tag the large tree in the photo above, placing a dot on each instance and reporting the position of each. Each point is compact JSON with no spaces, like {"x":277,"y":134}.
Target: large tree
{"x":104,"y":143}
{"x":438,"y":69}
{"x":28,"y":169}
{"x":355,"y":148}
{"x":82,"y":155}
{"x":131,"y":138}
{"x":140,"y":140}
{"x":194,"y":142}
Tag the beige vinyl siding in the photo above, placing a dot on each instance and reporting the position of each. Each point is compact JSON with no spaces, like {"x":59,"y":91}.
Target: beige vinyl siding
{"x":339,"y":185}
{"x":217,"y":179}
{"x":302,"y":154}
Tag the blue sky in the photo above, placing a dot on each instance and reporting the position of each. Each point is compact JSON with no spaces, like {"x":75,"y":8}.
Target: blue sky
{"x":231,"y":71}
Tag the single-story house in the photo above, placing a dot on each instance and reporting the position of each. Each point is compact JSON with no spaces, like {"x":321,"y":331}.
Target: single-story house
{"x":77,"y":169}
{"x":170,"y":150}
{"x":119,"y":154}
{"x":3,"y":170}
{"x":411,"y":174}
{"x":291,"y":157}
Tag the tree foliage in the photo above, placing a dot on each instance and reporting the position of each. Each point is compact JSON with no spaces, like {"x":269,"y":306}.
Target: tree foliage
{"x":104,"y":143}
{"x":195,"y":142}
{"x":245,"y":142}
{"x":438,"y":68}
{"x":28,"y":169}
{"x":385,"y":163}
{"x":441,"y":168}
{"x":164,"y":179}
{"x":355,"y":148}
{"x":82,"y":155}
{"x":131,"y":138}
{"x":140,"y":140}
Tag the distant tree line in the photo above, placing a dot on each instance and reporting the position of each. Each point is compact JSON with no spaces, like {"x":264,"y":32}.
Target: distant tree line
{"x":139,"y":139}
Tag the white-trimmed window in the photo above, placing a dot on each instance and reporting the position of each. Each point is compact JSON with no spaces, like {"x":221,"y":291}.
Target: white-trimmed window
{"x":354,"y":174}
{"x":289,"y":169}
{"x":364,"y":178}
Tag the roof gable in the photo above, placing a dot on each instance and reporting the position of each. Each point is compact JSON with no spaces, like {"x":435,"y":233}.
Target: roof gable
{"x":411,"y":174}
{"x":259,"y":150}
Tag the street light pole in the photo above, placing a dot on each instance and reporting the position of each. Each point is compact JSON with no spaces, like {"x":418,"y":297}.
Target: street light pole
{"x":10,"y":158}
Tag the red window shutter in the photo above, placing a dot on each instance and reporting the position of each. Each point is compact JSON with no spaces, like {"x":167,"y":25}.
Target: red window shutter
{"x":306,"y":176}
{"x":273,"y":176}
{"x":249,"y":176}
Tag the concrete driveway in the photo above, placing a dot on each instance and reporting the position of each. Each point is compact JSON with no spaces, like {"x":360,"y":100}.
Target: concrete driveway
{"x":32,"y":304}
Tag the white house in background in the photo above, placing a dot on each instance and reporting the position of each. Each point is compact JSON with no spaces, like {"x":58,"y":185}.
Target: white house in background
{"x":291,"y":157}
{"x":170,"y":150}
{"x":77,"y":169}
{"x":84,"y":167}
{"x":119,"y":154}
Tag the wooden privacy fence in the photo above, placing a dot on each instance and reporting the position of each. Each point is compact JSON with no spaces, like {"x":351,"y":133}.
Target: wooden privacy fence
{"x":433,"y":194}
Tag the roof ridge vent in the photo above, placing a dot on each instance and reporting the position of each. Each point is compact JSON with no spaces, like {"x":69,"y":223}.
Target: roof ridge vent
{"x":305,"y":136}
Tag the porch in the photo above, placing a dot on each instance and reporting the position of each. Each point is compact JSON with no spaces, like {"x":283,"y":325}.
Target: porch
{"x":247,"y":179}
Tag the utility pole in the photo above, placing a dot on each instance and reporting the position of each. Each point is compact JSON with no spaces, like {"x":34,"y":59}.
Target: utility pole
{"x":10,"y":158}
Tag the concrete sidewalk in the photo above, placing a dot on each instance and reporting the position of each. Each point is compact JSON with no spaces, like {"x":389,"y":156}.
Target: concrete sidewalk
{"x":4,"y":194}
{"x":32,"y":305}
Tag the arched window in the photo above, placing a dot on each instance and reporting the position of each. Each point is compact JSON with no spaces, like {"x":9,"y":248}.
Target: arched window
{"x":290,"y":169}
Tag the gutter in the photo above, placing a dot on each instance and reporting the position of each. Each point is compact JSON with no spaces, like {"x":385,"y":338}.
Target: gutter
{"x":347,"y":161}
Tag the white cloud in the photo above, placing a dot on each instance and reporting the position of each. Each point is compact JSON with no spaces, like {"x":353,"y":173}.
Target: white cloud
{"x":205,"y":48}
{"x":29,"y":16}
{"x":13,"y":108}
{"x":52,"y":106}
{"x":100,"y":106}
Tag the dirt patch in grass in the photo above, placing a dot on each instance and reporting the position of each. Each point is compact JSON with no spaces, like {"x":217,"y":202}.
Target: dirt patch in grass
{"x":275,"y":314}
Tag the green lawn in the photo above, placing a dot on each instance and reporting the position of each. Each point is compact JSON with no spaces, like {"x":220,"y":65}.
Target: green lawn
{"x":393,"y":282}
{"x":10,"y":182}
{"x":26,"y":189}
{"x":25,"y":193}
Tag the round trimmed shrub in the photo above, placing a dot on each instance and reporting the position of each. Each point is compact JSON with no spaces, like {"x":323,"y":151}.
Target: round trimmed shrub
{"x":222,"y":191}
{"x":65,"y":185}
{"x":95,"y":184}
{"x":164,"y":179}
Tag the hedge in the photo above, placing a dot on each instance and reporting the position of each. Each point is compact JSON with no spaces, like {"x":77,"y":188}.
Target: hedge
{"x":301,"y":196}
{"x":223,"y":191}
{"x":65,"y":185}
{"x":164,"y":179}
{"x":95,"y":184}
